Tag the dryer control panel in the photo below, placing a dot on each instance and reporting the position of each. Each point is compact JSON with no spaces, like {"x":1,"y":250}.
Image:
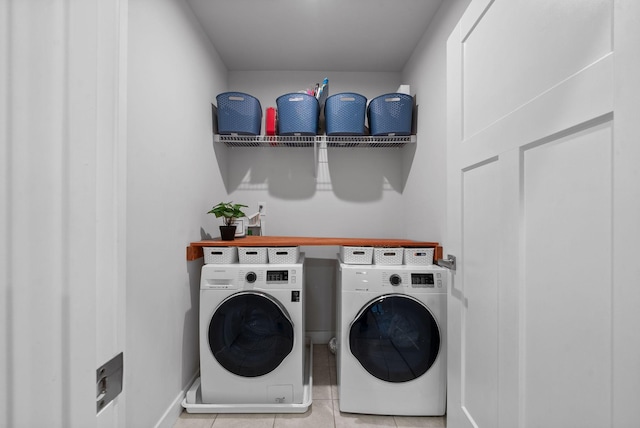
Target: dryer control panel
{"x":393,"y":279}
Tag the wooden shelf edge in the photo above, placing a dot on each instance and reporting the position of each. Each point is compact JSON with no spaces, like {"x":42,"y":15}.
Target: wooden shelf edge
{"x":437,"y":253}
{"x":194,"y":252}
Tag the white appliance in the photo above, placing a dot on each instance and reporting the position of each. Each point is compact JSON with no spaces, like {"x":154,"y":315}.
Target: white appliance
{"x":391,"y":346}
{"x":252,"y":342}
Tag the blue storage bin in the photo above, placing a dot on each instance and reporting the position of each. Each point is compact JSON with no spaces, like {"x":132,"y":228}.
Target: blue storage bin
{"x":391,"y":114}
{"x":297,"y":114}
{"x":344,"y":114}
{"x":238,"y":113}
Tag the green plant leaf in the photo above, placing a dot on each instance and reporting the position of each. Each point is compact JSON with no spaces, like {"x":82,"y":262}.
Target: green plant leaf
{"x":228,"y":210}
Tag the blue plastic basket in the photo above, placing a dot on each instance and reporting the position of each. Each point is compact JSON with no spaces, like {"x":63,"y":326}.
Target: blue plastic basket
{"x":297,"y":114}
{"x":391,"y":114}
{"x":344,"y":114}
{"x":238,"y":113}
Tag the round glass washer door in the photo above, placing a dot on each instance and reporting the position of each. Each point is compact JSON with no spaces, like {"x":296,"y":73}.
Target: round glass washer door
{"x":395,"y":338}
{"x":250,"y":334}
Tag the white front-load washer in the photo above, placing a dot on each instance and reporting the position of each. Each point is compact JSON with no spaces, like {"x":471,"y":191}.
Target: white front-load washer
{"x":252,"y":330}
{"x":391,"y":325}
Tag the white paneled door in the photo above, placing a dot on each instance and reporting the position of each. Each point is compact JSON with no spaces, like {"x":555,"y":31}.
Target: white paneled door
{"x":62,"y":215}
{"x":543,"y":208}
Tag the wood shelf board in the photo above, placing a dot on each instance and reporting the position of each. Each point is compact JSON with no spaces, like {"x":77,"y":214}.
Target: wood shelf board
{"x":194,"y":250}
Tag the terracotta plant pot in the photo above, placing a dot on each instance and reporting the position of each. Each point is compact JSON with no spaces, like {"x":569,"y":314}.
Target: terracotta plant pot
{"x":227,"y":233}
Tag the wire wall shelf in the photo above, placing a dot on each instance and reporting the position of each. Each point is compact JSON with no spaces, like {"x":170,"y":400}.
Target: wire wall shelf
{"x":313,"y":141}
{"x":369,"y":141}
{"x":266,"y":140}
{"x":319,"y":143}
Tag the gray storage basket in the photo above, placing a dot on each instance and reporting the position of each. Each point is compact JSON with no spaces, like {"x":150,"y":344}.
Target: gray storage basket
{"x":297,"y":114}
{"x":390,"y":114}
{"x":238,"y":113}
{"x":344,"y":114}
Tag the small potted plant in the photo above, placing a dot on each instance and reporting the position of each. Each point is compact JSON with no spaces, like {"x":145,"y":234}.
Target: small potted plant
{"x":229,"y":213}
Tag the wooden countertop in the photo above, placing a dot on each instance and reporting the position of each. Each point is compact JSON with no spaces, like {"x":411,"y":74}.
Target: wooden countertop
{"x":194,"y":250}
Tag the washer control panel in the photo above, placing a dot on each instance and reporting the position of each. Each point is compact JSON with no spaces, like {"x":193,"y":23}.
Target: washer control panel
{"x":416,"y":280}
{"x":264,"y":276}
{"x":422,"y":279}
{"x":429,"y":280}
{"x":269,"y":278}
{"x":278,"y":276}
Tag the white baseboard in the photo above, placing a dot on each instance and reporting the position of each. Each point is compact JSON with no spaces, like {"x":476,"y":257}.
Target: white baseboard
{"x":171,"y":415}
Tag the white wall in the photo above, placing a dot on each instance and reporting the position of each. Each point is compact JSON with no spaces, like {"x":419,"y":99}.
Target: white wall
{"x":174,"y":74}
{"x":424,"y":197}
{"x":356,"y":191}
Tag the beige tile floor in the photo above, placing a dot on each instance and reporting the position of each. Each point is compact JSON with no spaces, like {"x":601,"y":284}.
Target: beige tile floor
{"x":323,"y":413}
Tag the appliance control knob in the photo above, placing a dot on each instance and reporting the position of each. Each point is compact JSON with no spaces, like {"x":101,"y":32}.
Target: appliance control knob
{"x":251,"y":277}
{"x":395,"y":279}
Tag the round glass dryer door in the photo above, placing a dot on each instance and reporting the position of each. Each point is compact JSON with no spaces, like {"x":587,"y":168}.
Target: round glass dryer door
{"x":395,"y":338}
{"x":250,"y":334}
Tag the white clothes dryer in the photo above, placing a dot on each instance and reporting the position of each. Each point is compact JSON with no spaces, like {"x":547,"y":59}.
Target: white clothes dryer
{"x":252,"y":331}
{"x":391,"y":351}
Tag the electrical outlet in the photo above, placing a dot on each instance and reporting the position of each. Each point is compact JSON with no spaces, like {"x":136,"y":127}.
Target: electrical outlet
{"x":262,"y":208}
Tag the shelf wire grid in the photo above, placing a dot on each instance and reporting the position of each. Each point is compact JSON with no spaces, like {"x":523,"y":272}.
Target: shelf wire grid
{"x":311,"y":141}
